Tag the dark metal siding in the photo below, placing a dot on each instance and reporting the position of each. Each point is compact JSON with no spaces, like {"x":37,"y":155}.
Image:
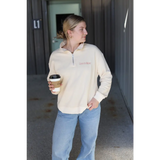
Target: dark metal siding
{"x":38,"y":49}
{"x":99,"y":16}
{"x":125,"y":52}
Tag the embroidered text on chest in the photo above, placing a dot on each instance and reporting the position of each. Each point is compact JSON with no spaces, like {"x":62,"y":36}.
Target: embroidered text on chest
{"x":82,"y":63}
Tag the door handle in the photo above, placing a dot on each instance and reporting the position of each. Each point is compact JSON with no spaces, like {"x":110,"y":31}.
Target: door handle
{"x":54,"y":41}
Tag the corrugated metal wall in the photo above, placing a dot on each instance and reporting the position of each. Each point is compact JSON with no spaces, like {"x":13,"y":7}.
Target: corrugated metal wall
{"x":124,"y":50}
{"x":105,"y":22}
{"x":38,"y":49}
{"x":100,"y":25}
{"x":99,"y":16}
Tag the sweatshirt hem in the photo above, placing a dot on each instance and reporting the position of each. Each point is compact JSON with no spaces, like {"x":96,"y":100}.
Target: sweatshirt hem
{"x":75,"y":110}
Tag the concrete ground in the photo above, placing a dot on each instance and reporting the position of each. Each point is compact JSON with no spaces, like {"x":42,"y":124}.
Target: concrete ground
{"x":115,"y":139}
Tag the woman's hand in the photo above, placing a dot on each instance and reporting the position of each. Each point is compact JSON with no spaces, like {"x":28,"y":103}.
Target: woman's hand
{"x":93,"y":104}
{"x":51,"y":87}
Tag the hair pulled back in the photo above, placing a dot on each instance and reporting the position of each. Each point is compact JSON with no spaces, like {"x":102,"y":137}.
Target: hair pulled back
{"x":69,"y":24}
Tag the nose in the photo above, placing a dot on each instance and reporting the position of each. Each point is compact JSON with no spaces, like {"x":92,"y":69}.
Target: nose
{"x":85,"y":31}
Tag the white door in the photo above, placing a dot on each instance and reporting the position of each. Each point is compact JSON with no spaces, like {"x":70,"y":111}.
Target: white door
{"x":59,"y":10}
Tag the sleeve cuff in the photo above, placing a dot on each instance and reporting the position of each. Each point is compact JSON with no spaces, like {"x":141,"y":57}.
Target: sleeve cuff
{"x":99,"y":97}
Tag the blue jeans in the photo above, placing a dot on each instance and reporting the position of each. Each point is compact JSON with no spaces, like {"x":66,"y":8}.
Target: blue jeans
{"x":64,"y":129}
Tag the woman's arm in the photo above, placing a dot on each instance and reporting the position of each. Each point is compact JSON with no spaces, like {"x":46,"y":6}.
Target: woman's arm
{"x":51,"y":71}
{"x":105,"y":80}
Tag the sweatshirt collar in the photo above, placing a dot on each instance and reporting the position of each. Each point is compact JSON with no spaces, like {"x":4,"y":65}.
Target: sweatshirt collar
{"x":64,"y":42}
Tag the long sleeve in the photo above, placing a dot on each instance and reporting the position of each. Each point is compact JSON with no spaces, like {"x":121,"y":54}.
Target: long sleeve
{"x":51,"y":70}
{"x":51,"y":67}
{"x":105,"y":77}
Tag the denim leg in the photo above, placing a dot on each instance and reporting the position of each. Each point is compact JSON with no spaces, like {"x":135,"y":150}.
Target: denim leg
{"x":89,"y":123}
{"x":63,"y":134}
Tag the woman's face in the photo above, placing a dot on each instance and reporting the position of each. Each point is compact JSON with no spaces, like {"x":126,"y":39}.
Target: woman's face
{"x":79,"y":33}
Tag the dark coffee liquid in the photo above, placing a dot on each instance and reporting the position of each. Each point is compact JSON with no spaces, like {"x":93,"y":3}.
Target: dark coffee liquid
{"x":54,"y":76}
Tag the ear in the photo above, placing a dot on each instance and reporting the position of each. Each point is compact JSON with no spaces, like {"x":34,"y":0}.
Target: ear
{"x":69,"y":33}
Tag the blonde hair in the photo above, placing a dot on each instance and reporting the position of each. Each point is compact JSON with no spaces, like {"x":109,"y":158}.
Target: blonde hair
{"x":69,"y":24}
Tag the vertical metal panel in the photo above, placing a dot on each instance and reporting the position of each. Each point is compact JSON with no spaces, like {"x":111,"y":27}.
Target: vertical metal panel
{"x":107,"y":31}
{"x":112,"y":35}
{"x":124,"y":51}
{"x":98,"y":24}
{"x":116,"y":39}
{"x":99,"y":19}
{"x":87,"y":14}
{"x":123,"y":48}
{"x":25,"y":35}
{"x":31,"y":67}
{"x":38,"y":38}
{"x":126,"y":81}
{"x":133,"y":55}
{"x":121,"y":42}
{"x":46,"y":34}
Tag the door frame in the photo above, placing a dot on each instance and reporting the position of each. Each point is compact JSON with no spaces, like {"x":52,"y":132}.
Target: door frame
{"x":45,"y":21}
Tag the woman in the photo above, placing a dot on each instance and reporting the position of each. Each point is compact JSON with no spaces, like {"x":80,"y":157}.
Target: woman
{"x":79,"y":65}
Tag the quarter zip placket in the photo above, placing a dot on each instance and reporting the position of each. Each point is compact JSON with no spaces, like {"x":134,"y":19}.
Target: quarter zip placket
{"x":73,"y":59}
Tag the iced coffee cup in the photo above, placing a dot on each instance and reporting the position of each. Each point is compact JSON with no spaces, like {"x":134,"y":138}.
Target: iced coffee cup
{"x":56,"y":81}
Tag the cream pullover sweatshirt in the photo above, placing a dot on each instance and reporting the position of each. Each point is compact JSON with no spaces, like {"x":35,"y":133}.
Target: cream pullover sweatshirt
{"x":79,"y":72}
